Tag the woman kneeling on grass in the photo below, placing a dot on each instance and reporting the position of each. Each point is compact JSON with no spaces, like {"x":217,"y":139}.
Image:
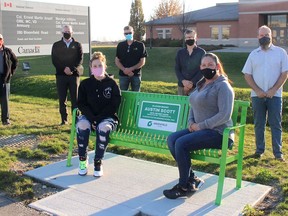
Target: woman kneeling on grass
{"x":98,"y":100}
{"x":210,"y":113}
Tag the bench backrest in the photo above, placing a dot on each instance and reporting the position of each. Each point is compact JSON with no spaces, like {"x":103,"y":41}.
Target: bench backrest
{"x":148,"y":118}
{"x":163,"y":113}
{"x":159,"y":114}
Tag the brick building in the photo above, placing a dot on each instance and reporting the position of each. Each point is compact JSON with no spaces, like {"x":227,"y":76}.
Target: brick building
{"x":227,"y":23}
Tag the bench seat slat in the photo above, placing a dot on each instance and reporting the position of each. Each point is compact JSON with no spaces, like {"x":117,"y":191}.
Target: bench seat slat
{"x":207,"y":152}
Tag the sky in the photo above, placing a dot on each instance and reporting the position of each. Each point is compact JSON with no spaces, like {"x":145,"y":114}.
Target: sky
{"x":108,"y":17}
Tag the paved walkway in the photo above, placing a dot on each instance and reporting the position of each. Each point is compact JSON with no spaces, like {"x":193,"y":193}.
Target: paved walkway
{"x":235,"y":49}
{"x":134,"y":187}
{"x":11,"y":207}
{"x":240,"y":49}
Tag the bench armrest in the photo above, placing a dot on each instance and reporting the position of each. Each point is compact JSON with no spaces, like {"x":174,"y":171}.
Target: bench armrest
{"x":226,"y":133}
{"x":234,"y":127}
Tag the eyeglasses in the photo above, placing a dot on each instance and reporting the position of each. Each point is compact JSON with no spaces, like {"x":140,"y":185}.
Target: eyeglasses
{"x":127,"y":33}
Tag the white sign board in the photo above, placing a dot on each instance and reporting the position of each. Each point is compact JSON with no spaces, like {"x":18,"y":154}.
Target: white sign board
{"x":159,"y":116}
{"x":31,"y":28}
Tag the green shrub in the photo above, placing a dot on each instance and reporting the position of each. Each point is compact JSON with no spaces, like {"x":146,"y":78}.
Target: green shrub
{"x":44,"y":87}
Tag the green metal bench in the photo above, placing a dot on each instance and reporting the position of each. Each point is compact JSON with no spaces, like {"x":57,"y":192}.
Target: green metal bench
{"x":146,"y":119}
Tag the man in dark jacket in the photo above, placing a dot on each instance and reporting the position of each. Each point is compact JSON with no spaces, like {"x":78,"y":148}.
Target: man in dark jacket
{"x":67,"y":57}
{"x":8,"y":65}
{"x":187,"y":64}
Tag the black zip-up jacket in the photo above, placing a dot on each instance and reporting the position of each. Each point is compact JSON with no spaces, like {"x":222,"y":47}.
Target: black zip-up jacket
{"x":98,"y":100}
{"x":63,"y":56}
{"x":187,"y":67}
{"x":10,"y":64}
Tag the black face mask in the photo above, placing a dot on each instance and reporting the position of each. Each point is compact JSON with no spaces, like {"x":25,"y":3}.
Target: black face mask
{"x":190,"y":42}
{"x":208,"y":73}
{"x":264,"y":41}
{"x":67,"y":35}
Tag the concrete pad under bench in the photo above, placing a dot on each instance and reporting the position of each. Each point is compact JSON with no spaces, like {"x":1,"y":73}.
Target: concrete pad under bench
{"x":133,"y":187}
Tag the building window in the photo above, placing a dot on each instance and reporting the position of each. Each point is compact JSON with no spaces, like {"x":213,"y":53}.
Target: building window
{"x":220,"y":32}
{"x":164,"y":33}
{"x":160,"y":34}
{"x":225,"y":33}
{"x":277,"y":21}
{"x":168,"y":33}
{"x":215,"y":33}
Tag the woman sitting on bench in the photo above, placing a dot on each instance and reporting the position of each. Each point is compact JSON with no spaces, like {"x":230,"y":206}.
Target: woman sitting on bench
{"x":99,"y":98}
{"x":210,"y":113}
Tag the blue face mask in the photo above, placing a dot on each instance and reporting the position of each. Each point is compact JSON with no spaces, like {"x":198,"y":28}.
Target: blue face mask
{"x":129,"y":37}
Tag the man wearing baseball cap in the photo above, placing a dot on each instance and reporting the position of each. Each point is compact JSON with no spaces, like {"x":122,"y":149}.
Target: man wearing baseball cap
{"x":8,"y":65}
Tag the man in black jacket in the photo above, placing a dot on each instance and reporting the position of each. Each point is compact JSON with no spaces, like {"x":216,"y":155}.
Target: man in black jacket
{"x":8,"y":65}
{"x":187,"y":64}
{"x":67,"y":57}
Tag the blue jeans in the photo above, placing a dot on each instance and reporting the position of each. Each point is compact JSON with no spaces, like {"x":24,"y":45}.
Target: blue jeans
{"x":103,"y":130}
{"x":272,"y":107}
{"x":181,"y":143}
{"x":135,"y":81}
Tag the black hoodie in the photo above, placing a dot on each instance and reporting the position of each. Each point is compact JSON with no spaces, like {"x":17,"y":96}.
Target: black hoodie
{"x":98,"y":100}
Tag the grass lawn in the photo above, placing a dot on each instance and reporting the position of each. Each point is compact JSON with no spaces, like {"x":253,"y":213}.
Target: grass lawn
{"x":34,"y":110}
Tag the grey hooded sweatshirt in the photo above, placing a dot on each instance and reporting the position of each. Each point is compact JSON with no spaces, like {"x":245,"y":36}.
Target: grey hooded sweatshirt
{"x":212,"y":106}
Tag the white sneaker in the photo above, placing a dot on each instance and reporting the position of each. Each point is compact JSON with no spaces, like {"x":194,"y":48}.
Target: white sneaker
{"x":98,"y":169}
{"x":83,"y":167}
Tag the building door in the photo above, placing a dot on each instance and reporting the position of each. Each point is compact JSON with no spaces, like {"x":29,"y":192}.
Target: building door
{"x":279,"y":27}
